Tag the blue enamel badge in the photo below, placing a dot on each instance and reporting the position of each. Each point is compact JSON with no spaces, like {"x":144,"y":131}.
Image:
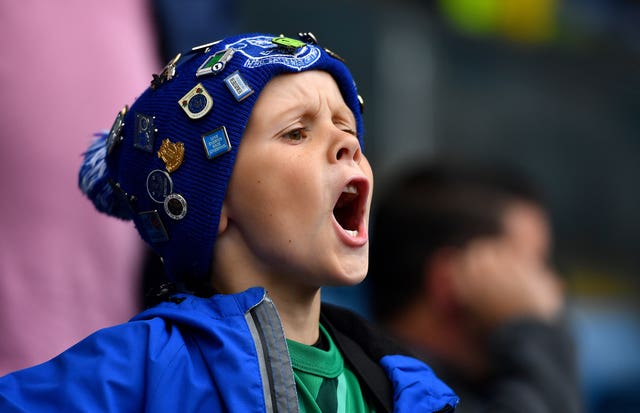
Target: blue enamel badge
{"x":216,"y":142}
{"x":145,"y":133}
{"x":153,"y":227}
{"x":238,"y":86}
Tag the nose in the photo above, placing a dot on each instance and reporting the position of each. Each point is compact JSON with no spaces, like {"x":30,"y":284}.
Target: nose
{"x":345,"y":148}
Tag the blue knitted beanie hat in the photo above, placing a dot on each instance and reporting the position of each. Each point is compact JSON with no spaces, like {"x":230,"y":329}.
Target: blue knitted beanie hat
{"x":167,"y":160}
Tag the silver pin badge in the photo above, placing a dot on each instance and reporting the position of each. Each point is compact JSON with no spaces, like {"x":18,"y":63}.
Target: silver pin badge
{"x":215,"y":63}
{"x":238,"y":86}
{"x":151,"y":224}
{"x":205,"y":47}
{"x":159,"y":185}
{"x":115,"y":134}
{"x":167,"y":73}
{"x":308,"y":37}
{"x":175,"y":206}
{"x":216,"y":142}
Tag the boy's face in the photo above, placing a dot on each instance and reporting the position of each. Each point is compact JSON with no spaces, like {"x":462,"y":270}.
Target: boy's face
{"x":300,"y":192}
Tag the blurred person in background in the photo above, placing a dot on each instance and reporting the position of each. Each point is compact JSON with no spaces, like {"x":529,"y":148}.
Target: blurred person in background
{"x":460,"y":272}
{"x":65,"y":68}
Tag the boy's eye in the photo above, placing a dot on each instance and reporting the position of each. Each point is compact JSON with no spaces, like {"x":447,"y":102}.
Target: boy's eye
{"x":295,"y":135}
{"x":350,"y":131}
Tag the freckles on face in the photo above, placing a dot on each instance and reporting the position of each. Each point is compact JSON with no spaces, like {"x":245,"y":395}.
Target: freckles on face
{"x":298,"y":163}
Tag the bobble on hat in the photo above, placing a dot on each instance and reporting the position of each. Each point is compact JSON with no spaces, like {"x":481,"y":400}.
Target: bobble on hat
{"x":167,"y":160}
{"x":95,"y":184}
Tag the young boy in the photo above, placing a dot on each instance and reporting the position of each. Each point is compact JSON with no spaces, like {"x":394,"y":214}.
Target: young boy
{"x":284,"y":115}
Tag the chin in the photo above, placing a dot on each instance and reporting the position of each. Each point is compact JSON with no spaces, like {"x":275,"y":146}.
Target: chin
{"x":348,"y":277}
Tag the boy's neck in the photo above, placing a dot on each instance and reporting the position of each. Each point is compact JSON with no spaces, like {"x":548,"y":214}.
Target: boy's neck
{"x":237,"y":269}
{"x":300,"y":314}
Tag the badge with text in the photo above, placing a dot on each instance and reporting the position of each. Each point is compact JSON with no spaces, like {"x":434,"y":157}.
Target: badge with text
{"x":175,"y":206}
{"x":237,"y":86}
{"x":263,"y":50}
{"x":197,"y":102}
{"x":172,"y":154}
{"x":216,"y":142}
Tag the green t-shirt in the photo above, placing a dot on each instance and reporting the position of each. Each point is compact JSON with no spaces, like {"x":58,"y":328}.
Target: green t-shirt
{"x":323,"y":382}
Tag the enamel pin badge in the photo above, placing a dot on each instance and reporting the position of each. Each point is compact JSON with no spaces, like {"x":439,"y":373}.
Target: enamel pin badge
{"x":175,"y":206}
{"x":215,"y":63}
{"x":115,"y":134}
{"x":216,"y":142}
{"x":197,"y":102}
{"x":145,"y":132}
{"x":167,"y":73}
{"x":152,"y":225}
{"x":159,"y":185}
{"x":238,"y":86}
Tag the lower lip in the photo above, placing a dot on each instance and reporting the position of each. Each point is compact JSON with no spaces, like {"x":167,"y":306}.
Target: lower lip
{"x":352,"y":241}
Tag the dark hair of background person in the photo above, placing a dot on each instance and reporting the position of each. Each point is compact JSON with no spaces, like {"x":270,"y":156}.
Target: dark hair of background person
{"x":434,"y":206}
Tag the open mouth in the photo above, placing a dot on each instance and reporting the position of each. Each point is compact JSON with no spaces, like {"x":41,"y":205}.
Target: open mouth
{"x":350,"y":207}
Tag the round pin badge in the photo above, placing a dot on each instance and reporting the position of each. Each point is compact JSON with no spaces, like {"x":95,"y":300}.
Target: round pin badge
{"x":175,"y":206}
{"x":159,"y":185}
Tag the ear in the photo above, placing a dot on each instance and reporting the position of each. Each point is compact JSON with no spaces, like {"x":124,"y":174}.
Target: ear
{"x":224,"y":219}
{"x":438,"y":276}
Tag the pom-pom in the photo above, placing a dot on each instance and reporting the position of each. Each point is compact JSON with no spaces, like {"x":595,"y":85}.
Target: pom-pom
{"x":95,"y":183}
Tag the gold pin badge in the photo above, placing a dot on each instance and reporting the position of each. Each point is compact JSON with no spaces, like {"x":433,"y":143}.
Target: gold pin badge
{"x":172,"y":154}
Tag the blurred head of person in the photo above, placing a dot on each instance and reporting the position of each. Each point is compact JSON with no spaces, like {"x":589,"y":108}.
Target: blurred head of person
{"x":459,"y":249}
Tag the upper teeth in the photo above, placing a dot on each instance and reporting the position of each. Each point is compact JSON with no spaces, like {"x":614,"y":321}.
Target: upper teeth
{"x":350,"y":189}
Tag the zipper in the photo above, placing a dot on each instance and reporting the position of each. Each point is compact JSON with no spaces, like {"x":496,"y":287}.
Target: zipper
{"x":279,"y":387}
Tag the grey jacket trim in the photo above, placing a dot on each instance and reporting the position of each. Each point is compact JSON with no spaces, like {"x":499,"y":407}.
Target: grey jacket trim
{"x":273,"y":354}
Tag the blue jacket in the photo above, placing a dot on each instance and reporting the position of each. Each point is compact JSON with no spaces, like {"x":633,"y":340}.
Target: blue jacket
{"x":226,"y":353}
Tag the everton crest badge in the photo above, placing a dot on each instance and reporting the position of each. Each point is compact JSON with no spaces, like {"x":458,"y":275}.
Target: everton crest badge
{"x":172,"y":154}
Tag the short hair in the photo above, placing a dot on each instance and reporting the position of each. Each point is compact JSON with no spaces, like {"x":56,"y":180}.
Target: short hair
{"x":444,"y":204}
